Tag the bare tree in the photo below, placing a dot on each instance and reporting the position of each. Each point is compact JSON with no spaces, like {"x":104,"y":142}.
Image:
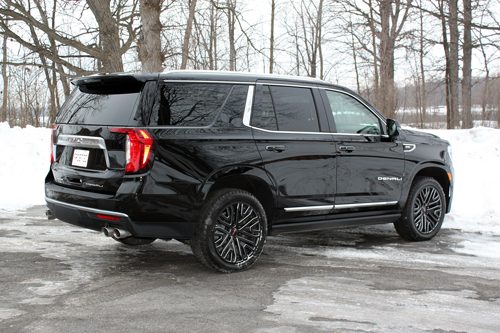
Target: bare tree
{"x":107,"y":50}
{"x":385,"y":20}
{"x":187,"y":35}
{"x":307,"y":35}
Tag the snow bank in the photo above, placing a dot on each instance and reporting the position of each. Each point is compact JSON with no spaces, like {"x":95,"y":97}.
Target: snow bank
{"x":476,"y":159}
{"x":24,"y":163}
{"x":25,"y":157}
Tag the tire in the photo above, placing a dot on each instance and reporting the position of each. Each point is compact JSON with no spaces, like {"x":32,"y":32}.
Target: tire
{"x":231,"y":231}
{"x":424,"y":211}
{"x":135,"y":241}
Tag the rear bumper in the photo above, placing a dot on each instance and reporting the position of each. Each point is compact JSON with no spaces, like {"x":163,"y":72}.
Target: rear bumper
{"x":84,"y":207}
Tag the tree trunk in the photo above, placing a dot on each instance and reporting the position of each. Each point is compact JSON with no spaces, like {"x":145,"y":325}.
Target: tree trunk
{"x":386,"y":60}
{"x":231,"y":4}
{"x":423,"y":94}
{"x":484,"y":102}
{"x":319,"y":44}
{"x":375,"y":55}
{"x":453,"y":115}
{"x":271,"y":46}
{"x":111,"y":58}
{"x":149,"y":44}
{"x":5,"y":77}
{"x":467,"y":67}
{"x":187,"y":34}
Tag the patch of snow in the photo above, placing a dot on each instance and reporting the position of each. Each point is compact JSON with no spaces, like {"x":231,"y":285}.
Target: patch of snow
{"x":24,"y":164}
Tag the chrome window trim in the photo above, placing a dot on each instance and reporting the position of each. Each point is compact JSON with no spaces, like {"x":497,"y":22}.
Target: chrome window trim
{"x":290,"y":132}
{"x":87,"y":209}
{"x":308,"y":208}
{"x":84,"y":142}
{"x":342,"y":206}
{"x":247,"y":114}
{"x":206,"y":81}
{"x":287,"y":85}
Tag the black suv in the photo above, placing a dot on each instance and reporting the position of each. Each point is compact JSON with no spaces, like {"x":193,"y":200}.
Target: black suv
{"x":221,"y":160}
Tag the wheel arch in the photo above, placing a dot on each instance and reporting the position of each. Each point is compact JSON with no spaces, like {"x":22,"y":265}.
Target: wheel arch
{"x":253,"y":182}
{"x":440,"y":174}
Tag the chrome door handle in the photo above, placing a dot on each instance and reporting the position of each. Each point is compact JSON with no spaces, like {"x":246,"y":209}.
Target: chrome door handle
{"x":277,"y":149}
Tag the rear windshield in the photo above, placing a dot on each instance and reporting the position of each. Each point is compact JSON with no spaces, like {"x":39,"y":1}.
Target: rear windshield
{"x":98,"y":109}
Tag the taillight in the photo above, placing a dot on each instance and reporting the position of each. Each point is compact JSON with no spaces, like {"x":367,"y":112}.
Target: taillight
{"x":137,"y":148}
{"x":54,"y":128}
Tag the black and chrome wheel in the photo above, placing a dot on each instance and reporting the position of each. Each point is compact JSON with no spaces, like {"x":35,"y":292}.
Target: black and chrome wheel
{"x":231,"y":232}
{"x":424,"y":211}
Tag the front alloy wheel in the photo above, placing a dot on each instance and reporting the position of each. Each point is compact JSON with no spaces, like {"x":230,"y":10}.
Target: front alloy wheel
{"x":427,"y":210}
{"x":424,"y":211}
{"x":231,"y":232}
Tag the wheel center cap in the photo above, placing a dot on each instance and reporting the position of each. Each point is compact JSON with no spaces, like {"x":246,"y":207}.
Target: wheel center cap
{"x":425,"y":209}
{"x":234,"y":232}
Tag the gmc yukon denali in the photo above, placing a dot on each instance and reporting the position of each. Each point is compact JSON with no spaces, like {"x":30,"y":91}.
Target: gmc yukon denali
{"x":221,"y":160}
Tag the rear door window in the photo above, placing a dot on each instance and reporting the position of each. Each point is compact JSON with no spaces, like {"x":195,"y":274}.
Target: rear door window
{"x":285,"y":109}
{"x":189,"y":104}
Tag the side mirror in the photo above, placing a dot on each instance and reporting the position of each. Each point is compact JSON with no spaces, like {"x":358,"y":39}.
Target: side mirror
{"x":393,"y":128}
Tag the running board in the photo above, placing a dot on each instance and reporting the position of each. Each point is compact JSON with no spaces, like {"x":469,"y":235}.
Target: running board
{"x":332,"y":223}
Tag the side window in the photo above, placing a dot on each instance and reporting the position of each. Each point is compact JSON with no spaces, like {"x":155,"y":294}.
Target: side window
{"x":232,"y":113}
{"x":189,"y":104}
{"x":295,"y":109}
{"x":263,"y":115}
{"x":351,"y":116}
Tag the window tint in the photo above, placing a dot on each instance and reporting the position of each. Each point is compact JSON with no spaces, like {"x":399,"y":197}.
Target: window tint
{"x":189,"y":104}
{"x":351,"y":116}
{"x":263,"y":115}
{"x":97,"y":109}
{"x":295,"y":109}
{"x":232,"y":113}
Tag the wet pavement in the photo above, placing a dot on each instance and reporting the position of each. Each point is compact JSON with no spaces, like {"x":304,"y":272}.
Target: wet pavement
{"x":58,"y":278}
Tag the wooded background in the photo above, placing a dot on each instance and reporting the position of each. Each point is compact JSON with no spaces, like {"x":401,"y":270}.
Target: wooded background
{"x":427,"y":63}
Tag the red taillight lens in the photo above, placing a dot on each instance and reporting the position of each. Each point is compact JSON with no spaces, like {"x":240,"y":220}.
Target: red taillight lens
{"x":54,"y":128}
{"x":137,"y":148}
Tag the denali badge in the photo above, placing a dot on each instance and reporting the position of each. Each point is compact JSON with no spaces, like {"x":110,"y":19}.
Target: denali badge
{"x":390,"y":178}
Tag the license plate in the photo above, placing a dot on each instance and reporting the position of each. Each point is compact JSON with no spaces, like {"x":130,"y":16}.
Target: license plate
{"x":80,"y":158}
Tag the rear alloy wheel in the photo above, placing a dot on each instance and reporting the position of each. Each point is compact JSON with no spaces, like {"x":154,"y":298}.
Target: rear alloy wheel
{"x":424,"y":212}
{"x":231,"y":232}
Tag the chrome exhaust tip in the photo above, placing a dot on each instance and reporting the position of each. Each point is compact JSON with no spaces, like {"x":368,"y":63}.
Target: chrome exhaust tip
{"x":107,"y":231}
{"x":120,"y":234}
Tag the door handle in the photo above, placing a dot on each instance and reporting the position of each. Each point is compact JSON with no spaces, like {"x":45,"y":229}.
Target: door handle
{"x":277,"y":149}
{"x":348,"y":149}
